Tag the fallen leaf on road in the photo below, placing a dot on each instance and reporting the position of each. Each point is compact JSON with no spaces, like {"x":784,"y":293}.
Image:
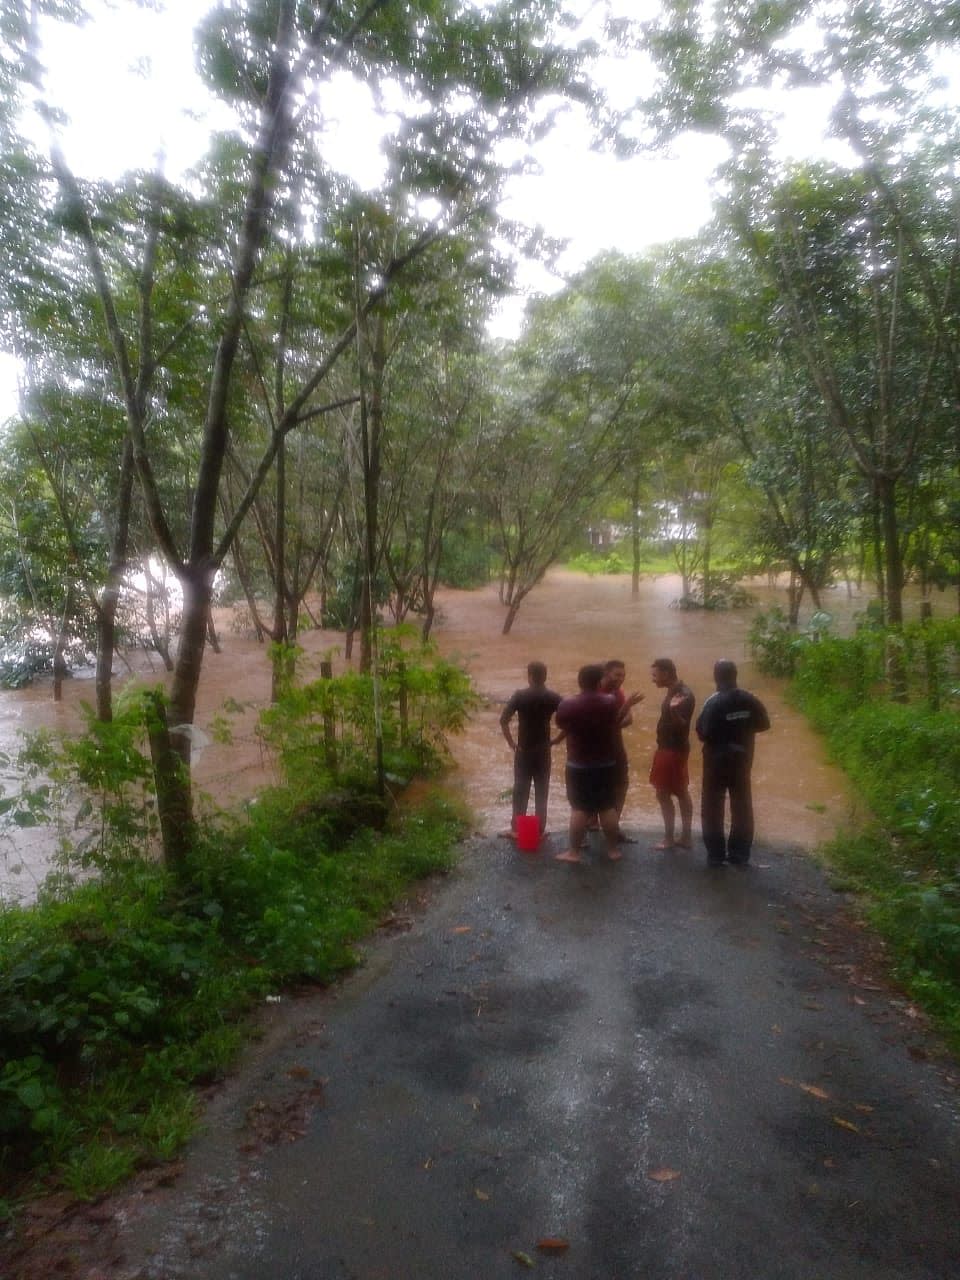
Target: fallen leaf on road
{"x":481,"y":1195}
{"x":299,"y":1073}
{"x":463,"y":928}
{"x":845,"y":1124}
{"x":553,"y":1244}
{"x":829,"y":1162}
{"x":663,"y":1175}
{"x":524,"y":1259}
{"x":812,"y":1004}
{"x":813,"y":1089}
{"x":862,"y":1106}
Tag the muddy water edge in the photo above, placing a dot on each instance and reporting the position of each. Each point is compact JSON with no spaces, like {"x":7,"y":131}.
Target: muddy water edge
{"x":568,"y":620}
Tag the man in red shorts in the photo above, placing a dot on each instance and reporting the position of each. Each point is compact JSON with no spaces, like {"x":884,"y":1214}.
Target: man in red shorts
{"x":669,"y":774}
{"x":590,"y":722}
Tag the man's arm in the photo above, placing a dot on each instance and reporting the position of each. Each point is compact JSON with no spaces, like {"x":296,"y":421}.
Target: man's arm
{"x":506,"y":715}
{"x":626,"y":717}
{"x":761,"y":721}
{"x":680,"y":708}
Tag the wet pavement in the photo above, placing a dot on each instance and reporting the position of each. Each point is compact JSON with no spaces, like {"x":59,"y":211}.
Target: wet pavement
{"x":605,"y":1072}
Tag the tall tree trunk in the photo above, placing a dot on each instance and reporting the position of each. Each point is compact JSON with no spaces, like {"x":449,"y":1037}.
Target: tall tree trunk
{"x":161,"y":639}
{"x":170,"y":727}
{"x":878,"y":554}
{"x":508,"y":621}
{"x":60,"y":669}
{"x":892,"y":557}
{"x":109,"y":600}
{"x":279,"y":635}
{"x":635,"y":535}
{"x":371,"y":427}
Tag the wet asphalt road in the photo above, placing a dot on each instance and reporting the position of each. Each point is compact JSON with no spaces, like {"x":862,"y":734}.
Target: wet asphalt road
{"x":684,"y":1074}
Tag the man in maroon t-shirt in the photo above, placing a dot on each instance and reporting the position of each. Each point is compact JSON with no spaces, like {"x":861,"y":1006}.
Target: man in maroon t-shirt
{"x":590,"y":723}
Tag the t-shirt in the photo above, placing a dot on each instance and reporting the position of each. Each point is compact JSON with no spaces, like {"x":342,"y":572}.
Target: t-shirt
{"x":590,"y":721}
{"x":673,"y":727}
{"x":729,"y":720}
{"x":621,"y":700}
{"x":534,"y":706}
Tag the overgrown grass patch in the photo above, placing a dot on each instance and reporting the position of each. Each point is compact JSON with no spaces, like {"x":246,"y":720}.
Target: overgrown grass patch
{"x":903,"y":758}
{"x":116,"y":1002}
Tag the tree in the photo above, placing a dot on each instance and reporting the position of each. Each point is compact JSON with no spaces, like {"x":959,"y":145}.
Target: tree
{"x":471,"y":78}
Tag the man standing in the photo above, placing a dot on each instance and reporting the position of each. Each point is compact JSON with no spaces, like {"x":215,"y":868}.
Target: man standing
{"x":727,"y":726}
{"x":534,"y":708}
{"x":589,"y":721}
{"x":669,"y":773}
{"x":614,"y":675}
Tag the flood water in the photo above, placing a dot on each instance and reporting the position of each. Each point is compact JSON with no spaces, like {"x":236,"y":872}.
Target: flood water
{"x":570,"y":619}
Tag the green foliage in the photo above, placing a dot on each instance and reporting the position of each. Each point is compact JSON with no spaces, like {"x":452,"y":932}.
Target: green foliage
{"x":777,"y":646}
{"x":326,"y":729}
{"x":119,"y":996}
{"x":724,"y":592}
{"x":593,"y":563}
{"x":95,"y":787}
{"x":903,"y":757}
{"x":114,"y":1001}
{"x":466,"y":560}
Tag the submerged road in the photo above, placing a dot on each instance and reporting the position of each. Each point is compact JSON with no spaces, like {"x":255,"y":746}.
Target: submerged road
{"x":606,"y":1072}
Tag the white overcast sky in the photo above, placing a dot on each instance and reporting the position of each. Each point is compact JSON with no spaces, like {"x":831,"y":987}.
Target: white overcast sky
{"x":128,"y":85}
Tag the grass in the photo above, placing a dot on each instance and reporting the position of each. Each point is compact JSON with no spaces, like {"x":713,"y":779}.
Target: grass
{"x":904,"y":761}
{"x":117,"y":1002}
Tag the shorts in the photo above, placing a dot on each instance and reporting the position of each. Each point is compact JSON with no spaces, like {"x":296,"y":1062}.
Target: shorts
{"x":622,"y":770}
{"x":669,"y":771}
{"x":592,"y":788}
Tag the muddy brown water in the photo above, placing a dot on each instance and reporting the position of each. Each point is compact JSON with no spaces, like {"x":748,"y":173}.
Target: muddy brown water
{"x":568,"y":620}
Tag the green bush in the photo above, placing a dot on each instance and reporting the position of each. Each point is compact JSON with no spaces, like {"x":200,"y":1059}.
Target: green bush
{"x":324,"y":731}
{"x":886,"y":701}
{"x":115,"y":1001}
{"x":118,"y":997}
{"x":595,"y":562}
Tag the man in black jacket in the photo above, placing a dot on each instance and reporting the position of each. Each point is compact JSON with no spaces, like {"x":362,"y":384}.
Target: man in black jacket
{"x":726,"y":726}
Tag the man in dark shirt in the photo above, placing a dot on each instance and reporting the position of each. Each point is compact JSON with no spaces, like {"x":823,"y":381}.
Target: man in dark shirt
{"x":727,"y":726}
{"x":590,"y":722}
{"x":669,"y":773}
{"x":614,"y":675}
{"x":534,"y":708}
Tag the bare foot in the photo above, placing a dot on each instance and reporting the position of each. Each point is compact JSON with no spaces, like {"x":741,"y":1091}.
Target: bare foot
{"x":664,"y":844}
{"x":614,"y":855}
{"x":568,"y":855}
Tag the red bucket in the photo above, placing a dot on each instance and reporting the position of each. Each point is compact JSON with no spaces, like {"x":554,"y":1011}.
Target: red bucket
{"x":528,"y":833}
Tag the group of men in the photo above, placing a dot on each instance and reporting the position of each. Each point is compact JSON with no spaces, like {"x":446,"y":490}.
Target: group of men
{"x":591,"y":723}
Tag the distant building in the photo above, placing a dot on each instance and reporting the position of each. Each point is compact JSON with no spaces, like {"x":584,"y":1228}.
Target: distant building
{"x":605,"y":534}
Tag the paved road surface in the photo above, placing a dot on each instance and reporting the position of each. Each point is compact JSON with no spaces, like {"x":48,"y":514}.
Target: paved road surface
{"x":684,"y":1074}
